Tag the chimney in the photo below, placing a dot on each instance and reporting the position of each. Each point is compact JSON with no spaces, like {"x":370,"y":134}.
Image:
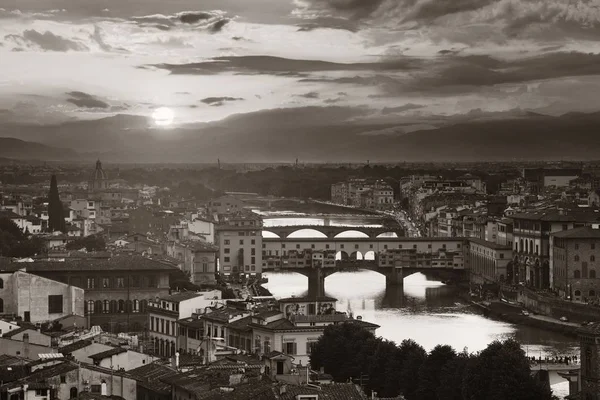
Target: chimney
{"x":176,"y":360}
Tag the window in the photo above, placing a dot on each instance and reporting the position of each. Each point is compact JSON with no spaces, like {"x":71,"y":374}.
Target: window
{"x":151,"y":323}
{"x":592,"y":258}
{"x":577,"y":293}
{"x":135,"y":281}
{"x":105,"y":283}
{"x":226,"y":250}
{"x":91,"y":283}
{"x":593,"y":246}
{"x":290,"y":348}
{"x":565,"y":227}
{"x":106,"y":308}
{"x":227,"y":242}
{"x":120,"y":282}
{"x":267,"y":345}
{"x":42,"y":392}
{"x":241,"y":241}
{"x":576,"y":246}
{"x":310,"y":345}
{"x":253,"y":241}
{"x":55,"y":304}
{"x":1,"y":284}
{"x":298,"y":246}
{"x":592,"y":293}
{"x":252,"y":260}
{"x":90,"y":306}
{"x":95,"y":388}
{"x":593,"y":273}
{"x":577,"y":274}
{"x":63,"y":379}
{"x":226,"y":259}
{"x":576,"y":258}
{"x":253,"y":251}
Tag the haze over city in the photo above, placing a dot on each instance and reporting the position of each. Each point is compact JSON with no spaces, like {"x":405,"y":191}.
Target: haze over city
{"x":271,"y":80}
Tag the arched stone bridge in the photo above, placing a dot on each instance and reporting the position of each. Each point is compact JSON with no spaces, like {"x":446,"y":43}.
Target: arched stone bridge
{"x":333,"y":231}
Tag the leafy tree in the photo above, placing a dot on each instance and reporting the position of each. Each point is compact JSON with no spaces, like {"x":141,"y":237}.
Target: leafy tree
{"x":430,"y":371}
{"x":413,"y":356}
{"x":343,"y":351}
{"x":13,"y":243}
{"x":56,"y":218}
{"x":451,"y":377}
{"x":90,"y":243}
{"x":502,"y":371}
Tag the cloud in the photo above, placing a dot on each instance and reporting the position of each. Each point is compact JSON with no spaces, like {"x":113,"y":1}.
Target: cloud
{"x":47,"y":41}
{"x":193,"y":17}
{"x":218,"y":26}
{"x":309,"y":95}
{"x":406,"y":107}
{"x":84,"y":100}
{"x":269,"y":64}
{"x":219,"y":101}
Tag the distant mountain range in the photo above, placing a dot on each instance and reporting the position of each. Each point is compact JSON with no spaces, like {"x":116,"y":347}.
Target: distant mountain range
{"x":16,"y":149}
{"x":312,"y":134}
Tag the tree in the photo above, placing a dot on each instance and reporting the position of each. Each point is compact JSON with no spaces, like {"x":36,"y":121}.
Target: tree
{"x":343,"y":351}
{"x":56,"y":219}
{"x":90,"y":243}
{"x":451,"y":377}
{"x":13,"y":243}
{"x":502,"y":371}
{"x":413,"y":356}
{"x":430,"y":371}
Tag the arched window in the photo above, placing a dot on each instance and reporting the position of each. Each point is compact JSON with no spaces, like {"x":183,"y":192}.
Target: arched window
{"x":98,"y":307}
{"x":113,"y":306}
{"x":128,"y":306}
{"x":592,"y":293}
{"x":121,"y":306}
{"x":143,"y":305}
{"x":136,"y":305}
{"x":73,"y":393}
{"x":90,"y":306}
{"x":593,"y":273}
{"x":577,"y":273}
{"x":576,"y":258}
{"x":106,"y":307}
{"x":577,"y":293}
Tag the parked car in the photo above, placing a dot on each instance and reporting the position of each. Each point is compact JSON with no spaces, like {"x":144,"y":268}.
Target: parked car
{"x":525,"y":313}
{"x":564,"y":319}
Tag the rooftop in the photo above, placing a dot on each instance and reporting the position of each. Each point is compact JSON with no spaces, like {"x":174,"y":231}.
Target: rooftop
{"x":116,"y":263}
{"x":107,"y":353}
{"x":584,"y":232}
{"x":306,"y":299}
{"x":75,"y":346}
{"x":223,"y":314}
{"x":150,"y":375}
{"x":182,"y":296}
{"x":491,"y":245}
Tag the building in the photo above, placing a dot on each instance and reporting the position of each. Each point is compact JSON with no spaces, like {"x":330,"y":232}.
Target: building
{"x":239,"y":238}
{"x":224,"y":205}
{"x":117,"y":288}
{"x":165,"y":312}
{"x":297,"y":326}
{"x":531,"y":244}
{"x":589,"y":340}
{"x":120,"y":358}
{"x":36,"y":298}
{"x":199,"y":259}
{"x":574,"y":269}
{"x":99,"y":179}
{"x":152,"y":222}
{"x":361,"y":193}
{"x":489,"y":262}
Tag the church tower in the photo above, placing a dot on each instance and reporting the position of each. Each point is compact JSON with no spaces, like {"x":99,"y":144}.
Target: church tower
{"x":589,"y":338}
{"x":99,"y":179}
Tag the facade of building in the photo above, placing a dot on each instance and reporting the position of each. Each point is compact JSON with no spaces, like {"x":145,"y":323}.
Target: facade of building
{"x":361,"y":193}
{"x":117,"y":288}
{"x":489,"y":262}
{"x":154,"y":222}
{"x":199,"y":259}
{"x":239,"y":238}
{"x":575,"y":263}
{"x":35,"y":298}
{"x":224,"y":205}
{"x":165,"y":312}
{"x":589,"y":341}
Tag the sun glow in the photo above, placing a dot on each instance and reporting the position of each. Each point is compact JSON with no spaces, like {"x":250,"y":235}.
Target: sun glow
{"x":163,"y":116}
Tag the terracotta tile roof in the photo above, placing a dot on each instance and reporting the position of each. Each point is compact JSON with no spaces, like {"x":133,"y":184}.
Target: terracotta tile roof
{"x":116,"y":263}
{"x":42,"y":374}
{"x":306,"y":299}
{"x":241,"y":324}
{"x":149,"y":376}
{"x":107,"y":353}
{"x":177,"y":297}
{"x":593,"y":329}
{"x":584,"y":232}
{"x":223,"y":314}
{"x":75,"y":346}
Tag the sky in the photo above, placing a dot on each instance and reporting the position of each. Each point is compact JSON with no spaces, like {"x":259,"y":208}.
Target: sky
{"x":406,"y":64}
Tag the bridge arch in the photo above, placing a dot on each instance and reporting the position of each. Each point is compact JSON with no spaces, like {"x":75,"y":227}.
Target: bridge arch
{"x":351,"y":233}
{"x":370,"y":255}
{"x":342,"y":256}
{"x":388,"y":235}
{"x":269,"y":234}
{"x":306,"y":233}
{"x":356,"y":256}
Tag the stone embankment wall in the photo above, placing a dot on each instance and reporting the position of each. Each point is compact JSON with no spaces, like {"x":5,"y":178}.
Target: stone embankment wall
{"x":557,"y":308}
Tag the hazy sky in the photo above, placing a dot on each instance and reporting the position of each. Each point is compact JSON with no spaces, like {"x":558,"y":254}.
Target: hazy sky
{"x":409,"y":61}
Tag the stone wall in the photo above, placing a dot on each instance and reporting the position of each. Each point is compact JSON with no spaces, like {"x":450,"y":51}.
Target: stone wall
{"x":557,"y":308}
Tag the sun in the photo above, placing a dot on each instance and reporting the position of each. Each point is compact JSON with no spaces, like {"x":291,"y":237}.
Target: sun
{"x":163,"y":116}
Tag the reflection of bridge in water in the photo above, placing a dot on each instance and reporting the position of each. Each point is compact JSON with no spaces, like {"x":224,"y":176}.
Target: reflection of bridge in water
{"x":554,"y":373}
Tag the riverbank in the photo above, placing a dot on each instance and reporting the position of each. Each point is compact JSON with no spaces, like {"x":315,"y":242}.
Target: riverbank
{"x":513,"y":314}
{"x":317,"y":207}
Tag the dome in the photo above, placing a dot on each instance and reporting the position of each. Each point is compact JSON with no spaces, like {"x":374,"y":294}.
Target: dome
{"x":99,"y":173}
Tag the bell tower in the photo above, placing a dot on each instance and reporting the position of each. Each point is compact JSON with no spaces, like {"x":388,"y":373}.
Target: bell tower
{"x":589,"y":339}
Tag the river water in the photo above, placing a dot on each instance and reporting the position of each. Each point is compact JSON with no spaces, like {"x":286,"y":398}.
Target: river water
{"x":428,"y":312}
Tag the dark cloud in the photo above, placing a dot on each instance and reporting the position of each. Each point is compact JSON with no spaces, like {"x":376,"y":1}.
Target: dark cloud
{"x":218,"y":26}
{"x":81,"y":99}
{"x":432,"y":9}
{"x":219,"y":101}
{"x":406,"y":107}
{"x":309,"y":95}
{"x":47,"y":41}
{"x":270,"y":65}
{"x":193,"y":17}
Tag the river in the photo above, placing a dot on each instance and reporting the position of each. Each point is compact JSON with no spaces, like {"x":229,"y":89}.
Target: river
{"x":428,"y":312}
